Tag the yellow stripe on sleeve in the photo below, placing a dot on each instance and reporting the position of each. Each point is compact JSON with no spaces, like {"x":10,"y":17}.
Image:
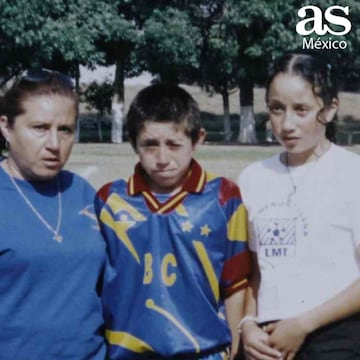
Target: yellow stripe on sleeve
{"x":236,"y":227}
{"x":239,"y":284}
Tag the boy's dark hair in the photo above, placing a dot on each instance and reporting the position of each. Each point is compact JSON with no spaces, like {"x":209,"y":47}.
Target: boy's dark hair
{"x":164,"y":103}
{"x":314,"y":69}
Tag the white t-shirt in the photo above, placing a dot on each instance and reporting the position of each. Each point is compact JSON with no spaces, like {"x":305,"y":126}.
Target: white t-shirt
{"x":306,"y":241}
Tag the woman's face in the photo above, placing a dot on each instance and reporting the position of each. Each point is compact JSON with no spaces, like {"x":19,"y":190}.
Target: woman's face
{"x":40,"y":139}
{"x":297,"y":116}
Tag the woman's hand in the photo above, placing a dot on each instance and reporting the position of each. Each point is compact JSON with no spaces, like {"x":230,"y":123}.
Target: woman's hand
{"x":256,"y":343}
{"x":286,"y":336}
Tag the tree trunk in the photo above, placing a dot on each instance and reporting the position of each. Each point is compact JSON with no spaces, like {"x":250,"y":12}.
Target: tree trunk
{"x":227,"y":125}
{"x":117,"y":105}
{"x":247,"y":132}
{"x":99,"y":128}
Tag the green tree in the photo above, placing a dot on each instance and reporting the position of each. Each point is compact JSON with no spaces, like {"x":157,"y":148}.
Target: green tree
{"x":63,"y":34}
{"x":266,"y":29}
{"x":215,"y":43}
{"x":118,"y":37}
{"x":48,"y":33}
{"x":184,"y":43}
{"x":260,"y":31}
{"x":98,"y":97}
{"x":170,"y":45}
{"x":219,"y":67}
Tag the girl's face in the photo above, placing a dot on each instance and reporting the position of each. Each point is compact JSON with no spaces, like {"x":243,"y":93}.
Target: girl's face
{"x":297,"y":117}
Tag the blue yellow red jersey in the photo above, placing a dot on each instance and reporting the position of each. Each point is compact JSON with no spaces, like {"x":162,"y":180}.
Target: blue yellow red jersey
{"x":172,"y":261}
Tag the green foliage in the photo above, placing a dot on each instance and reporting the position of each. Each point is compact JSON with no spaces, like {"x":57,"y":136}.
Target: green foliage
{"x":170,"y":45}
{"x":219,"y":60}
{"x":217,"y":43}
{"x":60,"y":33}
{"x":98,"y":96}
{"x":262,"y":29}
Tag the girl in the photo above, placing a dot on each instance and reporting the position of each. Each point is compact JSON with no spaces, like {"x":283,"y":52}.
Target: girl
{"x":304,"y":208}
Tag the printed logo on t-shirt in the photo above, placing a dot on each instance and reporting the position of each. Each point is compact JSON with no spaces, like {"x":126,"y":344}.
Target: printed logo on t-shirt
{"x":277,"y":238}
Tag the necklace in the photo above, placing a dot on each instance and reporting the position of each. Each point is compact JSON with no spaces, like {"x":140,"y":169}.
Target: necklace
{"x":326,"y":146}
{"x":56,"y":236}
{"x":293,"y":183}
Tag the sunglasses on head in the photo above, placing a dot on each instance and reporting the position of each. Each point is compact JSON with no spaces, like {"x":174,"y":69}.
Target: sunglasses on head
{"x":40,"y":75}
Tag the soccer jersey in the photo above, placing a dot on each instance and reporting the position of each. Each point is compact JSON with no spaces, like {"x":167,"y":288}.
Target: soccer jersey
{"x":307,"y":241}
{"x":171,"y":265}
{"x":49,"y":303}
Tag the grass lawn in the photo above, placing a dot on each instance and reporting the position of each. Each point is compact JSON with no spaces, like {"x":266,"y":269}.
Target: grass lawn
{"x":100,"y":163}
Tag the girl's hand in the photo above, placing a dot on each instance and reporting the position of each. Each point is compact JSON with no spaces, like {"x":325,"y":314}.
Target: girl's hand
{"x":286,"y":336}
{"x":255,"y":343}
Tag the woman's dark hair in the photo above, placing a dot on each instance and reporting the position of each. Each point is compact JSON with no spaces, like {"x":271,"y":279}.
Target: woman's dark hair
{"x":33,"y":83}
{"x":46,"y":82}
{"x":164,"y":103}
{"x":314,"y":69}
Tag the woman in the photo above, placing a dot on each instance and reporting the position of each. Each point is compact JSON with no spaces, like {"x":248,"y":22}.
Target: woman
{"x":51,"y":251}
{"x":304,"y":208}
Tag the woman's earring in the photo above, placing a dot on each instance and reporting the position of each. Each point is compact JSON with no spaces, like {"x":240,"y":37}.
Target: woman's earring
{"x":7,"y":145}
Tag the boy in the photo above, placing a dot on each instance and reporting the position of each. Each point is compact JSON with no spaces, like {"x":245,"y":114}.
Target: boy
{"x":176,"y":238}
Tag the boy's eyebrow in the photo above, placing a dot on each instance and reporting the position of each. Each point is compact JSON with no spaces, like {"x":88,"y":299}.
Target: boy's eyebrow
{"x":173,"y":139}
{"x":298,"y":103}
{"x":301,"y":104}
{"x":149,"y":141}
{"x":40,"y":122}
{"x":274,"y":101}
{"x":155,"y":141}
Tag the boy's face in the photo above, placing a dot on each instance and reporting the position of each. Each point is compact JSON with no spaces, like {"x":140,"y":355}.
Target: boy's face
{"x":165,"y":153}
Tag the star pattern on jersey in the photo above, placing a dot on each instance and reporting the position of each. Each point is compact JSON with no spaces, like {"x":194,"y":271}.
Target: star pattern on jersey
{"x":187,"y":226}
{"x":205,"y":230}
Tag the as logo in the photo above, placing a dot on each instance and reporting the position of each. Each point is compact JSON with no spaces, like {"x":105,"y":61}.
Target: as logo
{"x":317,"y":20}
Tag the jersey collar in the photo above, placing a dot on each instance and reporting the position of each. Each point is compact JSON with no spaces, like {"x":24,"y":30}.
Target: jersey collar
{"x":194,"y":184}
